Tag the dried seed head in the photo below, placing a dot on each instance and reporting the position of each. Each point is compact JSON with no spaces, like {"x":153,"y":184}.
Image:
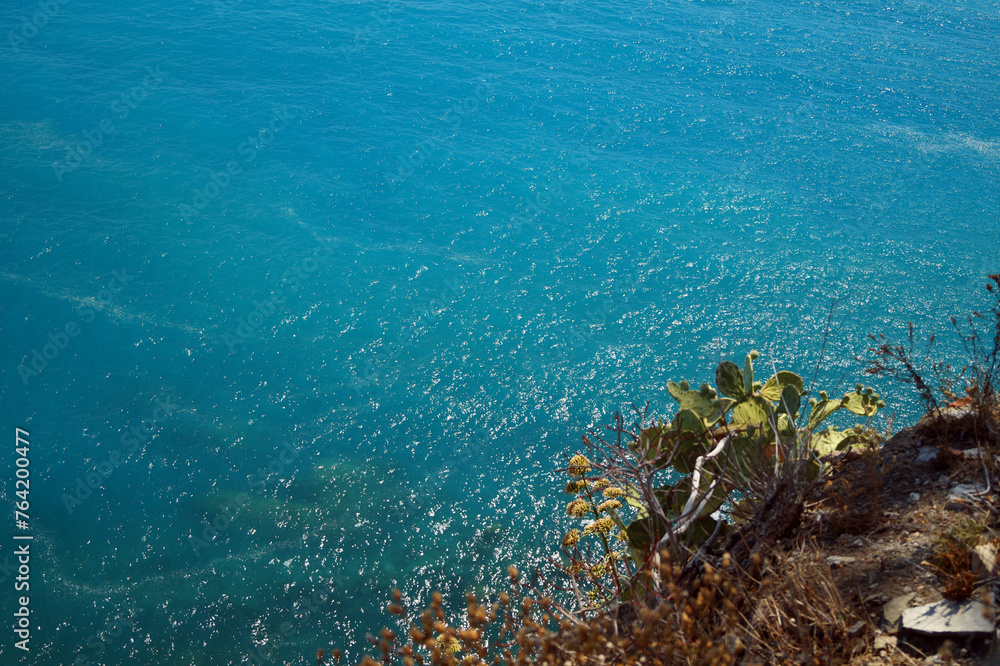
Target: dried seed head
{"x":578,"y":465}
{"x":571,"y":539}
{"x":578,"y":508}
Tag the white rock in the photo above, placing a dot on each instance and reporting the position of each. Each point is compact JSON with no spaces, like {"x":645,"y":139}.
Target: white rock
{"x":984,"y":559}
{"x":893,"y":610}
{"x":883,"y":642}
{"x":927,"y":454}
{"x":961,"y":496}
{"x":949,"y":617}
{"x":839,"y":561}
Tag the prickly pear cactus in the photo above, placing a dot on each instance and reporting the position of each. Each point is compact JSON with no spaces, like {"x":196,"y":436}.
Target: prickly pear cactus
{"x":748,"y":421}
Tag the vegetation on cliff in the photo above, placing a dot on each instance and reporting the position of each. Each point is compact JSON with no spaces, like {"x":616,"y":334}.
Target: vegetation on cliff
{"x":702,"y":535}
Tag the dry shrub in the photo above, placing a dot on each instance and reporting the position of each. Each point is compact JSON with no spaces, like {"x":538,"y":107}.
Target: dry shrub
{"x":668,"y":623}
{"x":672,"y":622}
{"x":953,"y":557}
{"x":798,"y":616}
{"x":952,"y":430}
{"x":787,"y":612}
{"x":978,"y":422}
{"x":852,"y":498}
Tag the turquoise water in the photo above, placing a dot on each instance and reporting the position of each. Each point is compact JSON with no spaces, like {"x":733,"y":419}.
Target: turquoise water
{"x":333,"y":286}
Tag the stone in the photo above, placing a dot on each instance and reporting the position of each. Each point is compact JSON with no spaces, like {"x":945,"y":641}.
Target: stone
{"x":961,"y":497}
{"x":883,"y":642}
{"x":984,"y":559}
{"x":838,"y":561}
{"x":927,"y":454}
{"x":892,"y":612}
{"x":950,"y":413}
{"x":949,"y":617}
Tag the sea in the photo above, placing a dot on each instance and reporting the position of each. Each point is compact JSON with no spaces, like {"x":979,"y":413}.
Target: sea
{"x":303,"y":301}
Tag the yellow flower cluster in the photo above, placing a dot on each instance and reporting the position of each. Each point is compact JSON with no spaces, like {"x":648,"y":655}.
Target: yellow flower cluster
{"x":578,"y":508}
{"x":571,"y":539}
{"x":613,"y":491}
{"x":578,"y":465}
{"x":601,"y":526}
{"x":448,"y":644}
{"x":601,"y":483}
{"x":576,"y":486}
{"x":610,"y":504}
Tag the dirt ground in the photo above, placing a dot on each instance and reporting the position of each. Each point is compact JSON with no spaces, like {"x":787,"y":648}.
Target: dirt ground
{"x":879,"y":520}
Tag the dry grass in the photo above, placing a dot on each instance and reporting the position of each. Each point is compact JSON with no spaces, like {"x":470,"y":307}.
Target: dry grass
{"x":799,"y":616}
{"x":785,"y":611}
{"x":953,"y":559}
{"x":852,"y":497}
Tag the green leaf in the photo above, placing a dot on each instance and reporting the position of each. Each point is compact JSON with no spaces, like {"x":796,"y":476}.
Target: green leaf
{"x":686,"y":420}
{"x":729,"y":379}
{"x":772,"y":389}
{"x":789,"y":401}
{"x":644,"y":532}
{"x":697,"y":403}
{"x":860,"y":404}
{"x":821,"y":410}
{"x":754,"y":411}
{"x":748,"y":373}
{"x":831,"y":440}
{"x":745,"y":454}
{"x":725,"y":404}
{"x":651,"y":440}
{"x":632,"y":499}
{"x":785,"y":426}
{"x":685,"y":459}
{"x":674,"y":389}
{"x":690,"y":435}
